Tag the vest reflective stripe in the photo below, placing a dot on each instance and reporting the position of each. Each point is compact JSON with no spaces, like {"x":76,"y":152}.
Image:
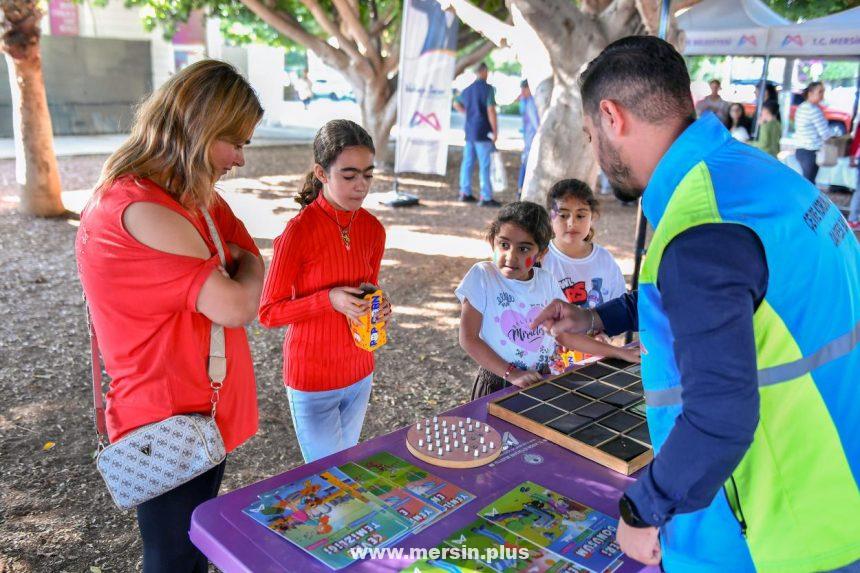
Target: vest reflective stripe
{"x":776,"y":374}
{"x":829,"y":352}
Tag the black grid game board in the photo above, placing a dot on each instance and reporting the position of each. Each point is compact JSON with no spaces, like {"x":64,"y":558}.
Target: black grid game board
{"x":597,"y":411}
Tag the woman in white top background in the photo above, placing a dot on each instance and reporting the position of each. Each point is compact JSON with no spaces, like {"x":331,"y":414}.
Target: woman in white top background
{"x":810,"y":130}
{"x":738,"y":123}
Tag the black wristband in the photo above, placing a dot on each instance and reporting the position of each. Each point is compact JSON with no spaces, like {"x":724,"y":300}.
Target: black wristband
{"x":630,"y":514}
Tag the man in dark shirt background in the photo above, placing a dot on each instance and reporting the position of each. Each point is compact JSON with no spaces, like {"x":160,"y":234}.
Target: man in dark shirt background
{"x":737,"y":355}
{"x":478,"y":103}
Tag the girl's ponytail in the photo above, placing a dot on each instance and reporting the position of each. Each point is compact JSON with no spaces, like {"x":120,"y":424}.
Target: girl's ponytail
{"x":310,"y":190}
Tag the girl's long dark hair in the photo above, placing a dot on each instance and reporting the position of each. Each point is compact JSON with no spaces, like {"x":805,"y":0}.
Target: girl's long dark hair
{"x":329,"y":143}
{"x":577,"y":190}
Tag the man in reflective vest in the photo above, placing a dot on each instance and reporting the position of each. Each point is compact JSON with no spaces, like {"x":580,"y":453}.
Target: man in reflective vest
{"x":748,"y":312}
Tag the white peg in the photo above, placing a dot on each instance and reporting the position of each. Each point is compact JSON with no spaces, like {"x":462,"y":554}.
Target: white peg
{"x":476,"y":453}
{"x":492,"y":446}
{"x":420,"y":443}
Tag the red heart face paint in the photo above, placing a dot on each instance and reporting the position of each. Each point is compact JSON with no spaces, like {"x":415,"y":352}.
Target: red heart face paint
{"x":529,"y":262}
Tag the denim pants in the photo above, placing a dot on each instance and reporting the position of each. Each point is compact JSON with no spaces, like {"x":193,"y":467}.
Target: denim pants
{"x":484,"y":151}
{"x":329,"y":421}
{"x":164,"y":522}
{"x":806,"y":158}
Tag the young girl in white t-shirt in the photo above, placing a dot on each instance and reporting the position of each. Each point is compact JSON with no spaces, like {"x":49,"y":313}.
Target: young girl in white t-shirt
{"x":500,"y":300}
{"x":586,"y":272}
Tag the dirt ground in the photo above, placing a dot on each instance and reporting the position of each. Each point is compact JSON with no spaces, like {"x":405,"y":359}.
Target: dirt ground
{"x":55,"y":514}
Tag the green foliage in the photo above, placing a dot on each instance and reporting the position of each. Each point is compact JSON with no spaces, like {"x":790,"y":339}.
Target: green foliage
{"x":839,"y":71}
{"x":808,"y":9}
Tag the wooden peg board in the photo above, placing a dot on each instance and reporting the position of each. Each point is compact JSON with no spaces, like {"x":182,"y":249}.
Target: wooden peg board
{"x":464,"y":439}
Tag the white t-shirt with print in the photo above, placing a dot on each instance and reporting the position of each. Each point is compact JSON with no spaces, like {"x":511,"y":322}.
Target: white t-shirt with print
{"x":586,"y":282}
{"x":508,"y":307}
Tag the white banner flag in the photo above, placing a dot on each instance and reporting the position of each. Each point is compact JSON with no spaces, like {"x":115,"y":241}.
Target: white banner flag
{"x":428,"y":54}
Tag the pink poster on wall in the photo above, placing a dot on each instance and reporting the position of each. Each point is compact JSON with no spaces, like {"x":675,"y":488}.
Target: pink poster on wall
{"x":63,"y":15}
{"x":191,"y":32}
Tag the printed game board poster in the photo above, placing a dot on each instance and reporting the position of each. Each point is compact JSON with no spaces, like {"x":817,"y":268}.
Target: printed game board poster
{"x":327,"y":514}
{"x":420,"y":512}
{"x":550,"y":520}
{"x":484,"y":546}
{"x":421,"y":483}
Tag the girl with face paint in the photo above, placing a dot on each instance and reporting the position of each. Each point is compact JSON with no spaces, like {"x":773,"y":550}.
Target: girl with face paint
{"x":501,"y":298}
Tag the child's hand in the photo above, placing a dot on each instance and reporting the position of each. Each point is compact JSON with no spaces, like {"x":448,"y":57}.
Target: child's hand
{"x":346,"y":301}
{"x":629,"y":354}
{"x":385,"y":308}
{"x":524,"y":378}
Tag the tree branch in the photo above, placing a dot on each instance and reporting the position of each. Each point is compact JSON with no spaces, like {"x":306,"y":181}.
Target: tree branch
{"x":357,"y":30}
{"x":380,"y":26}
{"x":330,"y":28}
{"x":617,"y":20}
{"x":493,"y":29}
{"x":285,"y":24}
{"x":473,"y":57}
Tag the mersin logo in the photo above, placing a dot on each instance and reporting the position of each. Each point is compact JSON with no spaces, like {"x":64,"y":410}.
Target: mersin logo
{"x":792,"y":39}
{"x":430,"y":119}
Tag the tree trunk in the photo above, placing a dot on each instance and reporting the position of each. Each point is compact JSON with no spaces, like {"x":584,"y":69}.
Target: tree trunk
{"x":35,"y":162}
{"x":572,"y":38}
{"x":378,"y":103}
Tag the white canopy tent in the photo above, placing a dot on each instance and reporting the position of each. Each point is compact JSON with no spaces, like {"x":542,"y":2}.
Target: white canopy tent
{"x":728,"y":27}
{"x":837,"y":35}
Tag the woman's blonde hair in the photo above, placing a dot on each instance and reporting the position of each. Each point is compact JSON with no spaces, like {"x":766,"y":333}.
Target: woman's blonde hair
{"x":175,"y":127}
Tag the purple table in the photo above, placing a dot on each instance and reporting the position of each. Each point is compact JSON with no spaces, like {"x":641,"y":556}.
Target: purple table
{"x":234,"y":542}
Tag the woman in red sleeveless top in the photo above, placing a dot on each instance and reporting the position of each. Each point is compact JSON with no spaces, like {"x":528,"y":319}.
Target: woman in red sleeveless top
{"x":154,"y":283}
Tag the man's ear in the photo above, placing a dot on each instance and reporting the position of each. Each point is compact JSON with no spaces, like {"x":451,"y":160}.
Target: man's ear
{"x":320,"y":173}
{"x":613,"y":118}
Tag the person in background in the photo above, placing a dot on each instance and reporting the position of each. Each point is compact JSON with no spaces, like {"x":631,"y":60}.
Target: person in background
{"x":713,"y":102}
{"x":304,"y":89}
{"x":154,"y":282}
{"x":810,"y":130}
{"x":854,"y":207}
{"x":770,"y":95}
{"x":478,"y":103}
{"x":738,"y":124}
{"x":770,"y":129}
{"x":531,"y":121}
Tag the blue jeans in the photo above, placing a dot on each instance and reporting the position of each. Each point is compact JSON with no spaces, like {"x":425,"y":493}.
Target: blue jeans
{"x":809,"y":167}
{"x":484,"y":150}
{"x":329,"y":421}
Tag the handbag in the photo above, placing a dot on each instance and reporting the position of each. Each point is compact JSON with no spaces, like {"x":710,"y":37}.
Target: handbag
{"x":828,"y":155}
{"x":158,"y":457}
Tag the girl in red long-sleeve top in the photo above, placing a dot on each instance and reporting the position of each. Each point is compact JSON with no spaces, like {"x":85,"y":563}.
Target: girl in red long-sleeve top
{"x":329,"y":250}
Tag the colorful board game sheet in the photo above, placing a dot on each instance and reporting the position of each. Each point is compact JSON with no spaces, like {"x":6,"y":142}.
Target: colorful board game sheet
{"x":421,"y":483}
{"x":482,"y":546}
{"x":552,"y":521}
{"x":327,"y":514}
{"x":420,"y":512}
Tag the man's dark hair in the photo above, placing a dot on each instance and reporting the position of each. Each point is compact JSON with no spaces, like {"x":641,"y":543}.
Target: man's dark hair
{"x":644,"y":74}
{"x":524,"y":84}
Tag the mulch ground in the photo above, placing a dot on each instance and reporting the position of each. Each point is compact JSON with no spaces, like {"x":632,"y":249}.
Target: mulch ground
{"x":55,"y":514}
